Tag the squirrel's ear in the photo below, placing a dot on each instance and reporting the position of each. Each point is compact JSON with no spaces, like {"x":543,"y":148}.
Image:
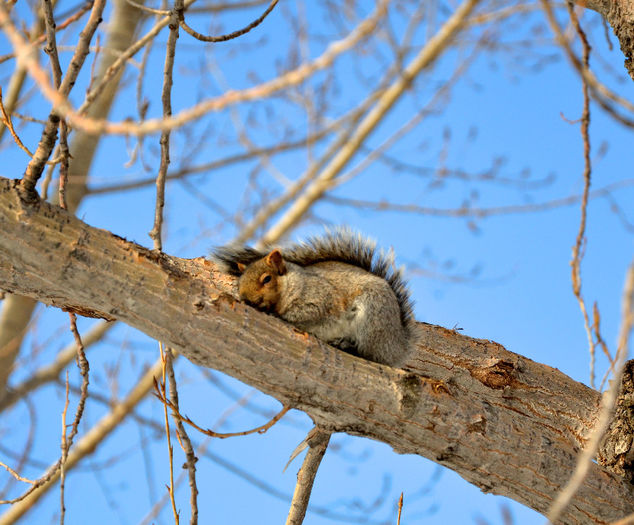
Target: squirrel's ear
{"x":241,"y":267}
{"x":276,"y":260}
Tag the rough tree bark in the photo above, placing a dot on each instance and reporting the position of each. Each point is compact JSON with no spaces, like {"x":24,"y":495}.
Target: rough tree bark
{"x":503,"y":422}
{"x":620,"y":15}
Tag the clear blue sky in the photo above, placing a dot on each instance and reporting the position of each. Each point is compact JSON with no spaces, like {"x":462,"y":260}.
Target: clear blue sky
{"x":504,"y":278}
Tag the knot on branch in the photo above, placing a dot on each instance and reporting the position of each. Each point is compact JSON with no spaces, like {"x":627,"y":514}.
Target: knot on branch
{"x":497,"y":376}
{"x":617,"y":451}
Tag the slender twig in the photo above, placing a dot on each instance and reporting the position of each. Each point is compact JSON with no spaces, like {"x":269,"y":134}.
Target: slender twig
{"x":608,"y":402}
{"x":51,"y":372}
{"x":602,"y":94}
{"x":6,"y":119}
{"x":58,"y":27}
{"x":229,"y":36}
{"x":49,"y":135}
{"x":15,"y":474}
{"x":424,"y":58}
{"x":62,"y":467}
{"x":170,"y":52}
{"x":400,"y":509}
{"x":85,"y":446}
{"x":577,"y":250}
{"x":63,"y":167}
{"x":306,"y":476}
{"x":97,"y":126}
{"x":160,"y":394}
{"x":279,"y":147}
{"x":149,"y":10}
{"x":183,"y":439}
{"x":170,"y":449}
{"x":480,"y":213}
{"x":84,"y":369}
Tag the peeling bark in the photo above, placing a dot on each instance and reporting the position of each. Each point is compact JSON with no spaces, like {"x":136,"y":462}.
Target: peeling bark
{"x":503,"y":422}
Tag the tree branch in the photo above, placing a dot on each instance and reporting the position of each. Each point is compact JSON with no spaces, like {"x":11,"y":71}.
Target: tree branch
{"x":503,"y":422}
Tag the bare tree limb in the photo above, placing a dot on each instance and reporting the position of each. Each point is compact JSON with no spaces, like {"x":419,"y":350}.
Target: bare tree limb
{"x":504,"y":423}
{"x":317,"y":446}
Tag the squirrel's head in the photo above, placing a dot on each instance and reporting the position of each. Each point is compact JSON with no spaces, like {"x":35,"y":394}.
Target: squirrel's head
{"x":259,"y":283}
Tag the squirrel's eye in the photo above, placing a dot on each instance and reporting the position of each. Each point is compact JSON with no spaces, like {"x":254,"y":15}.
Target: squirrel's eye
{"x":266,"y":279}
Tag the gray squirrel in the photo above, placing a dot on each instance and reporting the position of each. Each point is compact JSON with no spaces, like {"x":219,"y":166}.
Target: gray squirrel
{"x":336,"y":287}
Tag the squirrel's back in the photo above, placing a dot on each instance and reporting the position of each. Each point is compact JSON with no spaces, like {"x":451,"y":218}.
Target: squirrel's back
{"x":341,"y":245}
{"x":336,"y":287}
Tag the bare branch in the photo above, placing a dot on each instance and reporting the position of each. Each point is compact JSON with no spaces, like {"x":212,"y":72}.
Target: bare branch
{"x":425,"y":57}
{"x":229,"y":36}
{"x":97,"y":126}
{"x":306,"y":477}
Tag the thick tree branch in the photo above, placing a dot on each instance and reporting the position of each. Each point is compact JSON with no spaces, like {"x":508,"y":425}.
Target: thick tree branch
{"x":620,"y":15}
{"x":504,"y":423}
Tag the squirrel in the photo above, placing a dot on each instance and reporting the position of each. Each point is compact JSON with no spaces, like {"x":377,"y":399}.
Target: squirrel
{"x":335,"y":287}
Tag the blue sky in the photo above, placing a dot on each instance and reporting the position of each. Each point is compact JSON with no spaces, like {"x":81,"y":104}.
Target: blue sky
{"x":504,"y":278}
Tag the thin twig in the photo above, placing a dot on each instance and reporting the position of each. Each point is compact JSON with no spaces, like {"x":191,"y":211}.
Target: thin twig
{"x":51,"y":372}
{"x":86,"y":446}
{"x":607,"y":404}
{"x":58,"y":27}
{"x":480,"y":213}
{"x":149,"y":10}
{"x":602,"y":94}
{"x":159,"y":392}
{"x":49,"y":135}
{"x":97,"y":126}
{"x":62,"y":467}
{"x":229,"y":36}
{"x":84,"y":369}
{"x":400,"y":509}
{"x":63,"y":167}
{"x":6,"y":119}
{"x":170,"y":52}
{"x":16,"y":475}
{"x":577,"y":250}
{"x":183,"y":439}
{"x":170,"y":449}
{"x":423,"y":59}
{"x":306,"y":477}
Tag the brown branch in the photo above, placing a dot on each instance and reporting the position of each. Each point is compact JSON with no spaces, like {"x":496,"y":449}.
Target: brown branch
{"x":58,"y":27}
{"x":166,"y":97}
{"x":15,"y":474}
{"x":170,"y":450}
{"x":266,"y":89}
{"x":6,"y":119}
{"x":479,"y":213}
{"x":577,"y":250}
{"x":482,"y":424}
{"x":49,"y":136}
{"x":229,"y":36}
{"x":423,"y":59}
{"x":86,"y":444}
{"x":160,"y":394}
{"x":183,"y":438}
{"x":318,"y":443}
{"x":62,"y":470}
{"x":585,"y":459}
